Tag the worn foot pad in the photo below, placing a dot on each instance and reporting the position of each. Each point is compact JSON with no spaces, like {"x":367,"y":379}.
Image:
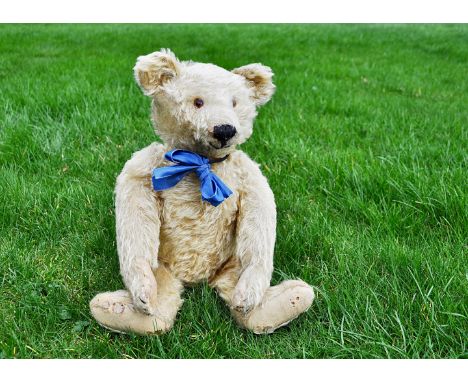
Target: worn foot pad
{"x":115,"y":311}
{"x":281,"y":304}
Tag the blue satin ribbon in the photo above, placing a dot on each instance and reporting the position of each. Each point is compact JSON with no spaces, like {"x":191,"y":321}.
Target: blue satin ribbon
{"x":212,"y":188}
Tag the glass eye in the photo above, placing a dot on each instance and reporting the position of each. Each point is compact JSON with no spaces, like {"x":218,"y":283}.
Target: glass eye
{"x":198,"y":102}
{"x":234,"y":102}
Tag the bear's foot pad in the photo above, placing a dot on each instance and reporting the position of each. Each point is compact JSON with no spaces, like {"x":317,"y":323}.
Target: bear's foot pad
{"x":282,"y":304}
{"x":115,"y":311}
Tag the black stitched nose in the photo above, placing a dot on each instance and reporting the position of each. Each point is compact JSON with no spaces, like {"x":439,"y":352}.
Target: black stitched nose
{"x":224,"y":133}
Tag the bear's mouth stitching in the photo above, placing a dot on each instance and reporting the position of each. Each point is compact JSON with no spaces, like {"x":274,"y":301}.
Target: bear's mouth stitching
{"x":222,"y":146}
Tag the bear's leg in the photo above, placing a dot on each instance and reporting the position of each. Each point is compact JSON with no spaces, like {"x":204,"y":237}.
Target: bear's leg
{"x":280,"y":304}
{"x":116,"y":311}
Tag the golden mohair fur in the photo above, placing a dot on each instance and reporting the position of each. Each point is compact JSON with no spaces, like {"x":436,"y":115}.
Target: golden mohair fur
{"x":169,"y":239}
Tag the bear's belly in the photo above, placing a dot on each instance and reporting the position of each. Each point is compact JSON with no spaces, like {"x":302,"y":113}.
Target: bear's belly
{"x":195,"y":238}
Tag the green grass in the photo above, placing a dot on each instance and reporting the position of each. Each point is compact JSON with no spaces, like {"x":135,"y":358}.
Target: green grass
{"x":364,"y":145}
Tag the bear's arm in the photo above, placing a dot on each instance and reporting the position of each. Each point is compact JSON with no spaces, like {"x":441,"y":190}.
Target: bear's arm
{"x":137,"y":211}
{"x":256,"y":234}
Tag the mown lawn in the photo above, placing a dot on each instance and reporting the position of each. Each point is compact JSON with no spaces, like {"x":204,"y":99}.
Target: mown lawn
{"x":364,"y":145}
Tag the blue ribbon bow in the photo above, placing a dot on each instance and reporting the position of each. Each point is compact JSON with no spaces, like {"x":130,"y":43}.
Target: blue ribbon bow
{"x":212,"y":188}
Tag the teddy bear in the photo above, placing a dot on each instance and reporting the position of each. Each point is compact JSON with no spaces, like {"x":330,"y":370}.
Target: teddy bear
{"x":195,"y":208}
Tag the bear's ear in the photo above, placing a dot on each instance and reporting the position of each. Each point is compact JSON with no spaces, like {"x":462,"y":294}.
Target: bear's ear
{"x":259,"y":80}
{"x":155,"y":69}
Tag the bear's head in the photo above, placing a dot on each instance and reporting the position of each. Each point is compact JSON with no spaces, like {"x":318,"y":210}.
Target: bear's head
{"x":202,"y":107}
